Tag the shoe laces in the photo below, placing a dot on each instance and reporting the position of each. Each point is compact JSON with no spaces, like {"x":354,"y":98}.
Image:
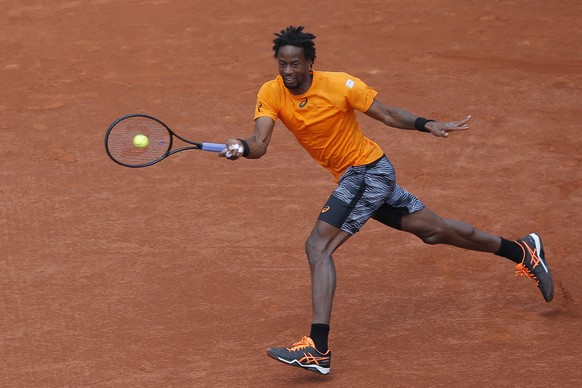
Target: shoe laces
{"x":303,"y":343}
{"x":535,"y":260}
{"x":522,"y":270}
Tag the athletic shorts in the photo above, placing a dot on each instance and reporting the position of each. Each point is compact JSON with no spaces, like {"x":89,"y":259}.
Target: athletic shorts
{"x":368,"y":191}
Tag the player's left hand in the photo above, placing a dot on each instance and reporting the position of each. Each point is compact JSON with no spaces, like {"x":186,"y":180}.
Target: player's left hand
{"x":442,"y":128}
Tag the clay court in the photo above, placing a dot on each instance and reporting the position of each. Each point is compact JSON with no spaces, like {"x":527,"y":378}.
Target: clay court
{"x":183,"y":273}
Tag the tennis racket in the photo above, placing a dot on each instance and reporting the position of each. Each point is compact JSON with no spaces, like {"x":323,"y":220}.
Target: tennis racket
{"x":126,"y":145}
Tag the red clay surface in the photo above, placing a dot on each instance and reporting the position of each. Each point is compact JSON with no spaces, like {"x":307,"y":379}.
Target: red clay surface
{"x":182,"y":274}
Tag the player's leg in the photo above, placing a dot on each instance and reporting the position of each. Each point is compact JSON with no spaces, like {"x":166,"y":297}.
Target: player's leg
{"x":433,"y":229}
{"x":411,"y":216}
{"x":527,"y":252}
{"x":360,"y":191}
{"x":322,"y":242}
{"x":312,"y":353}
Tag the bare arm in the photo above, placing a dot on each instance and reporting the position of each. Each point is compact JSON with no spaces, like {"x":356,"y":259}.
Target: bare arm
{"x":399,"y":118}
{"x":257,"y":143}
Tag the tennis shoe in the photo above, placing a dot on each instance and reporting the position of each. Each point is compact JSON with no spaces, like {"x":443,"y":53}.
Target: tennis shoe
{"x":534,"y":265}
{"x":303,"y":354}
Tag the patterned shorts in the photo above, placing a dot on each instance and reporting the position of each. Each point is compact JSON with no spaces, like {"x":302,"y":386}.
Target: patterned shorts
{"x":368,"y":191}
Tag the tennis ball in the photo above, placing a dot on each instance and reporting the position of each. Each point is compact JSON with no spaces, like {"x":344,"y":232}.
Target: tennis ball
{"x":140,"y":141}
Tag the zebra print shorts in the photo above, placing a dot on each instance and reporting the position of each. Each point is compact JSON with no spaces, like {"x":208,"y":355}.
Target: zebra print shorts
{"x":368,"y":191}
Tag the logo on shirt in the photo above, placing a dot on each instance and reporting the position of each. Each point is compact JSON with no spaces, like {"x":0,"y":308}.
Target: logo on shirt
{"x":259,"y":106}
{"x":325,"y":209}
{"x":303,"y":103}
{"x":350,"y":83}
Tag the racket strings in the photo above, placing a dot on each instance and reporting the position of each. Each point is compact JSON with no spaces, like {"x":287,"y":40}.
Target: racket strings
{"x":120,"y":141}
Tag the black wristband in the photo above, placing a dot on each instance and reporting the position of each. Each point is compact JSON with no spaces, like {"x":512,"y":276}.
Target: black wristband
{"x":246,"y":150}
{"x":420,"y":122}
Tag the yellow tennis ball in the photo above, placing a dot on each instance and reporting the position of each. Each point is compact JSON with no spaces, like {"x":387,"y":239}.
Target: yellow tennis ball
{"x":140,"y":141}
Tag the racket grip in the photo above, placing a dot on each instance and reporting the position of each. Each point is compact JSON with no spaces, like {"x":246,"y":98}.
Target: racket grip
{"x":213,"y":147}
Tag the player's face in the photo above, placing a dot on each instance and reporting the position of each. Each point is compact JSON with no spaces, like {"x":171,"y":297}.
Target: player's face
{"x":294,"y":69}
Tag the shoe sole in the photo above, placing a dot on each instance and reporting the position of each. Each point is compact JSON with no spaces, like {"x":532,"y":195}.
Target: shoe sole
{"x":311,"y":368}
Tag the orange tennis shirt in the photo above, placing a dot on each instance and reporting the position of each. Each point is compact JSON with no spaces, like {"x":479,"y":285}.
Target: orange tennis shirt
{"x":323,"y":119}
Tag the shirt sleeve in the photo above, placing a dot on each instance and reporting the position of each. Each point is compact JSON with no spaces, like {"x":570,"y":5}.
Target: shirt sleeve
{"x":267,"y":101}
{"x":360,"y":95}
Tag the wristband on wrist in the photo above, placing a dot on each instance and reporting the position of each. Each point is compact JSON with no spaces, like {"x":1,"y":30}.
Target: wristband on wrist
{"x":246,"y":150}
{"x":420,"y":122}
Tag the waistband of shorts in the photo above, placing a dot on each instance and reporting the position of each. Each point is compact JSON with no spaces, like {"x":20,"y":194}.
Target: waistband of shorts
{"x":374,"y":163}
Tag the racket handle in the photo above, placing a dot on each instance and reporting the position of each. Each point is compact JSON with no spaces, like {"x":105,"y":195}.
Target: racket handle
{"x":213,"y":147}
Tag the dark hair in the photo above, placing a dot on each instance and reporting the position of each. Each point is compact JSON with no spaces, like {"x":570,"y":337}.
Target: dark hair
{"x":294,"y":36}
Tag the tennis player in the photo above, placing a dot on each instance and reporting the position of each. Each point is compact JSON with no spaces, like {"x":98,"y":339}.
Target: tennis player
{"x":319,"y":109}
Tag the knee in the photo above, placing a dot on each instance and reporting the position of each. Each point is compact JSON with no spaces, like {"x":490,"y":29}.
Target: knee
{"x":431,"y":238}
{"x":437,"y":234}
{"x":447,"y":232}
{"x":314,"y":248}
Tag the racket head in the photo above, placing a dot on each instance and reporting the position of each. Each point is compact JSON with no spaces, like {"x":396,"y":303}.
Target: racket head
{"x":121,"y":133}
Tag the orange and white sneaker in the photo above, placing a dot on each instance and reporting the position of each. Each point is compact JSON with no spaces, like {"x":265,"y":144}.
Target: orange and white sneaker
{"x":303,"y":354}
{"x":534,"y":265}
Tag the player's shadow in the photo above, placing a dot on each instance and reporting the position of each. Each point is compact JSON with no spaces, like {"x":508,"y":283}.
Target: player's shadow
{"x":564,"y":304}
{"x":301,"y":378}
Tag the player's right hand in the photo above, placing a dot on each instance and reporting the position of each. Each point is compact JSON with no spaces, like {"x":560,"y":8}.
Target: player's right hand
{"x":234,"y":150}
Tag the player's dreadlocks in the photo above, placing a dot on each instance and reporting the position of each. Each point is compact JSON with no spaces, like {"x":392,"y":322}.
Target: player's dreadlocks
{"x":294,"y":36}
